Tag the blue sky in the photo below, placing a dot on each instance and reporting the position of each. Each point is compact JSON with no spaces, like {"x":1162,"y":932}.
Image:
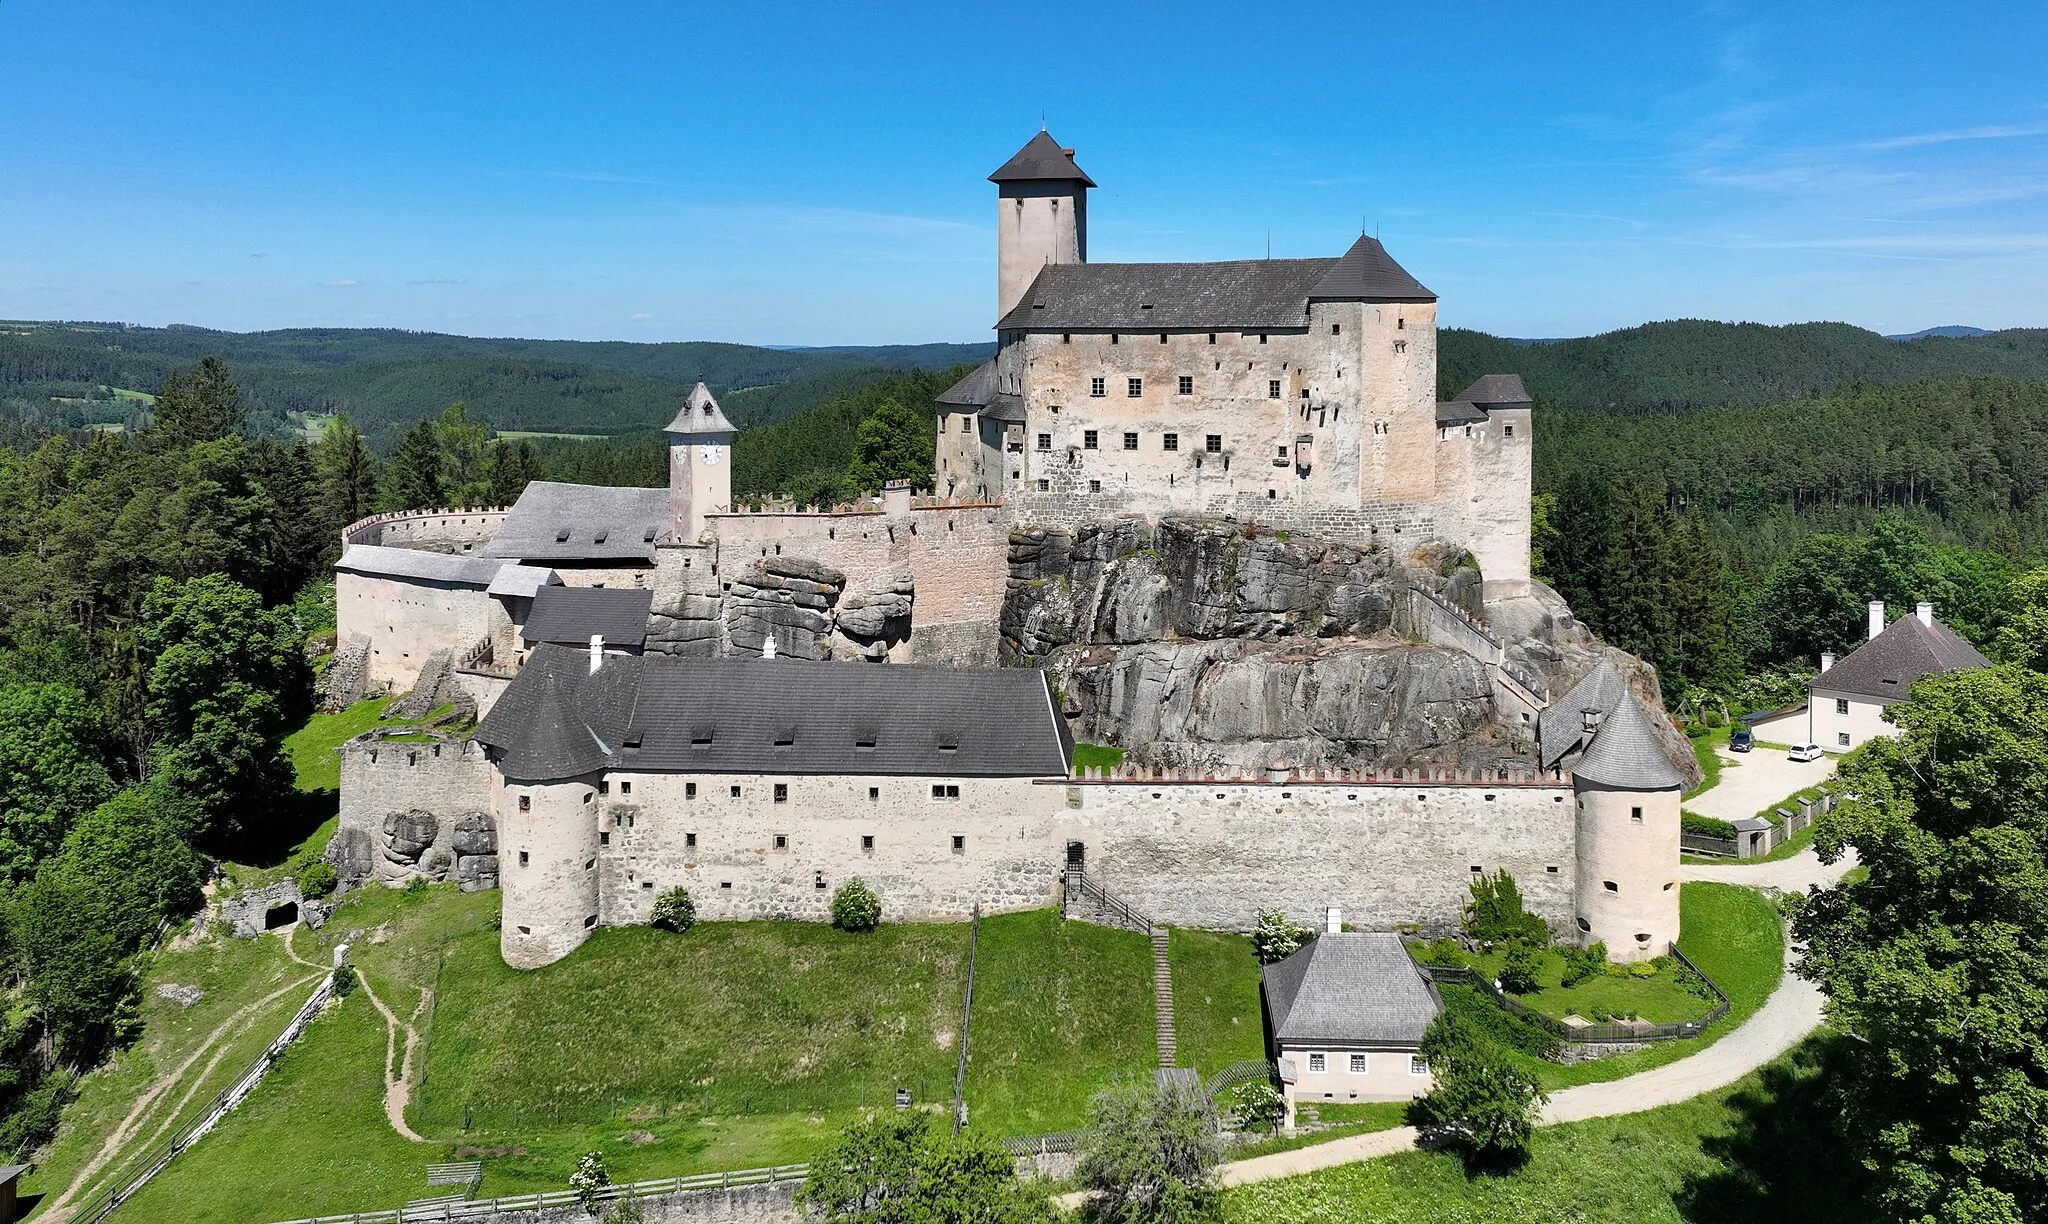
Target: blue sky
{"x":775,"y":173}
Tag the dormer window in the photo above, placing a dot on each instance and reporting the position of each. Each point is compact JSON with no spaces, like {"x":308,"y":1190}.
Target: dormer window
{"x":786,"y":737}
{"x":700,"y":738}
{"x":647,"y":536}
{"x":600,"y":537}
{"x":561,"y":535}
{"x":864,"y":743}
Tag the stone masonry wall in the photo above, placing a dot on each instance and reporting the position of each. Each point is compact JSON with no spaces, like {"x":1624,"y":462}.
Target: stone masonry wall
{"x":414,"y":808}
{"x":445,"y":530}
{"x":766,"y":1203}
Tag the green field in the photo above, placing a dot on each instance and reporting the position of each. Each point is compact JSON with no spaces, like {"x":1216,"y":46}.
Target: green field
{"x":1759,"y":1152}
{"x":1092,"y":756}
{"x":1667,"y":998}
{"x":516,"y":434}
{"x":1216,"y":1016}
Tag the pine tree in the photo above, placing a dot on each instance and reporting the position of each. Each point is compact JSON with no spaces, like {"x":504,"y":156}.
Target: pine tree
{"x":201,"y":405}
{"x":413,"y":480}
{"x":347,"y":475}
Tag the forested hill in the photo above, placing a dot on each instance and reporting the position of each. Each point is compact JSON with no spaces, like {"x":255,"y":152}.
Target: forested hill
{"x":1692,"y":363}
{"x":54,"y":374}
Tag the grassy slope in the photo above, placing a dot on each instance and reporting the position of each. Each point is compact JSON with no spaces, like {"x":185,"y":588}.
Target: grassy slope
{"x":1216,"y":1015}
{"x":1758,"y":1151}
{"x":1060,"y":1009}
{"x":1663,"y":999}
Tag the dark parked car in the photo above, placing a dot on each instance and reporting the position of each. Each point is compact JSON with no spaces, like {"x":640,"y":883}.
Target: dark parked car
{"x":1741,"y":740}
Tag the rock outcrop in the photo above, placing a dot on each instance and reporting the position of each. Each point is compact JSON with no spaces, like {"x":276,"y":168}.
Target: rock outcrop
{"x":803,"y":604}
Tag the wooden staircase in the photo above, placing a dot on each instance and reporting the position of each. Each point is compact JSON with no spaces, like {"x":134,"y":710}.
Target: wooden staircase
{"x":1162,"y":996}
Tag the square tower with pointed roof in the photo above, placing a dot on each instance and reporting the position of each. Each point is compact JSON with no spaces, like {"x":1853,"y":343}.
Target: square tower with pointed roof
{"x":699,"y":463}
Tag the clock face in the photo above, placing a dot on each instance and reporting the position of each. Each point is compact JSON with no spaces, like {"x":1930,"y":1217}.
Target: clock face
{"x":708,"y":455}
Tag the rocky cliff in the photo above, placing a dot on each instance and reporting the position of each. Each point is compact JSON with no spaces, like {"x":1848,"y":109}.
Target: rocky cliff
{"x":1214,"y":645}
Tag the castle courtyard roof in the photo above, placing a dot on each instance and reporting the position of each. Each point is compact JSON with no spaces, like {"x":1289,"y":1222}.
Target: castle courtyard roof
{"x":568,"y":522}
{"x":1233,"y":295}
{"x":571,"y":616}
{"x":777,"y":716}
{"x":1349,"y":988}
{"x":1885,"y":667}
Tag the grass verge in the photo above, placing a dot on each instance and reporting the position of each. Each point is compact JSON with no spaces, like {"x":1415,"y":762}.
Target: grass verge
{"x":1704,"y":749}
{"x":1090,"y":756}
{"x":1216,"y":1014}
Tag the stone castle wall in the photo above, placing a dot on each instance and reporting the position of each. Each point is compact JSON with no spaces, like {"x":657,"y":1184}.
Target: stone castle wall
{"x":453,"y":530}
{"x":406,"y":620}
{"x":414,"y":808}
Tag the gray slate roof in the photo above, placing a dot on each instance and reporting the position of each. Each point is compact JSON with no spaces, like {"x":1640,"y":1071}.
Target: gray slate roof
{"x":1458,"y":412}
{"x":522,"y":580}
{"x":1040,"y":159}
{"x":1561,"y":724}
{"x":663,"y":713}
{"x":1233,"y":295}
{"x":972,"y":391}
{"x":1886,"y":666}
{"x":1625,"y":752}
{"x":570,"y":615}
{"x":567,"y":522}
{"x":701,"y":416}
{"x":1355,"y":988}
{"x":1497,"y":391}
{"x":419,"y":564}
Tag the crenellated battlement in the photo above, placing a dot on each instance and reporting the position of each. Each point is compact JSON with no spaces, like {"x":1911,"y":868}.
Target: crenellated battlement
{"x":412,"y":528}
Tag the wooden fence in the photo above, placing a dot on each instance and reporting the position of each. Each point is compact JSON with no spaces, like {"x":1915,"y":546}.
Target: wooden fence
{"x":1587,"y":1034}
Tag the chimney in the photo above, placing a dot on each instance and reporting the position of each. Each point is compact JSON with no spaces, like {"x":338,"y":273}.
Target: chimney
{"x":596,"y":652}
{"x":768,"y":644}
{"x":896,"y":498}
{"x":1827,"y":659}
{"x":1925,"y":612}
{"x":1876,"y":617}
{"x":1335,"y":920}
{"x":1590,"y":719}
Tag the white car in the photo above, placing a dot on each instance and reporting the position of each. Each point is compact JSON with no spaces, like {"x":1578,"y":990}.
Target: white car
{"x":1805,"y":752}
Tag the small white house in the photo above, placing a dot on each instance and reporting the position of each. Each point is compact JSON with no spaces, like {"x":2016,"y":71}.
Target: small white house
{"x":1345,"y":1017}
{"x":1846,"y":701}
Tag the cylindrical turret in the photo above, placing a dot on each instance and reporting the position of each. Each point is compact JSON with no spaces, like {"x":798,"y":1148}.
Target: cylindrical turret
{"x":547,"y":866}
{"x":1627,"y":835}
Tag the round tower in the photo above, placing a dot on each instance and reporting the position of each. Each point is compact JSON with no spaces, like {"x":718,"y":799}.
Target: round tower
{"x":1627,"y":835}
{"x":547,"y":866}
{"x":1041,"y":216}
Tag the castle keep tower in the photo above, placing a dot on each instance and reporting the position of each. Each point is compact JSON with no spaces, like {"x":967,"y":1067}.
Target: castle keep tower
{"x":1628,"y":826}
{"x":699,"y":463}
{"x":1041,"y":216}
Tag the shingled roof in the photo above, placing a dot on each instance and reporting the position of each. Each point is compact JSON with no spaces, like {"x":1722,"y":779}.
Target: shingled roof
{"x":700,"y":414}
{"x":570,"y":616}
{"x":1560,"y":727}
{"x":1625,"y":752}
{"x":1041,"y":159}
{"x":779,"y":716}
{"x":569,"y":522}
{"x":1886,"y":666}
{"x":1350,"y":988}
{"x":419,"y":564}
{"x":1232,"y":295}
{"x":1491,"y":391}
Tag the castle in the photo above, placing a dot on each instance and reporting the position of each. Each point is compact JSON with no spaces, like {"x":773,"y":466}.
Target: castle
{"x":656,"y":704}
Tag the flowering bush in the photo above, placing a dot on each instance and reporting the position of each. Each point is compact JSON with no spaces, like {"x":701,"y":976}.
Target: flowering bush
{"x":1277,"y":935}
{"x":674,"y":911}
{"x":855,"y":906}
{"x":589,"y":1179}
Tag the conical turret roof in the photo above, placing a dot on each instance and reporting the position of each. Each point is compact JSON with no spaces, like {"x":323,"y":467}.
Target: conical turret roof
{"x":1367,"y":273}
{"x":700,"y":414}
{"x":1625,"y":752}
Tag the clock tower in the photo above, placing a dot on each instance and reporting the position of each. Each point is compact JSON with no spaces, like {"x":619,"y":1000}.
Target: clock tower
{"x":699,"y":464}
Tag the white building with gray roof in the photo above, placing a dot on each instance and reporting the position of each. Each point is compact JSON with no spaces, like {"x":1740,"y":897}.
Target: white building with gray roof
{"x":1345,"y":1016}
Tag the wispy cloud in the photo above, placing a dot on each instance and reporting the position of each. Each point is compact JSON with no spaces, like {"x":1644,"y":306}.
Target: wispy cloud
{"x":1993,"y":131}
{"x":341,"y":284}
{"x":598,"y":176}
{"x":439,"y":280}
{"x":635,"y":318}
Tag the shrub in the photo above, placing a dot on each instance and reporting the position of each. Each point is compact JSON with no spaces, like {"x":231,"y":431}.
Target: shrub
{"x":1704,"y":826}
{"x":1582,"y":963}
{"x":901,"y":1167}
{"x":344,"y":979}
{"x":1518,"y":971}
{"x":1642,"y":969}
{"x":855,"y":907}
{"x":1278,"y":936}
{"x":1503,"y":1028}
{"x":1478,"y":1090}
{"x":1496,"y":913}
{"x":316,"y":879}
{"x":1149,"y":1153}
{"x":1258,"y":1106}
{"x":416,"y":887}
{"x":1445,"y":952}
{"x":674,"y":911}
{"x":589,"y":1179}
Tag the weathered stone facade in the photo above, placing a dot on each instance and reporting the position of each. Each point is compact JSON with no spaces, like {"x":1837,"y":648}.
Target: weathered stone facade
{"x":414,"y":807}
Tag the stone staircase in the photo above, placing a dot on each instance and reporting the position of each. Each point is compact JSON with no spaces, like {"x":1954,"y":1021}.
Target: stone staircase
{"x":1162,"y":996}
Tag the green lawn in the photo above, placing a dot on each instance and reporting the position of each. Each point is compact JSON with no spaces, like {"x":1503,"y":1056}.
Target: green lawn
{"x":1060,"y":1010}
{"x":530,"y":433}
{"x":314,"y":748}
{"x":1216,"y":1016}
{"x":1762,"y":1151}
{"x":1703,"y":750}
{"x":1090,"y":756}
{"x":1664,"y":999}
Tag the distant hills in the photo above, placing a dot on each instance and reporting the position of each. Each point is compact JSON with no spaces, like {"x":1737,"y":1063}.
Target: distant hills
{"x":65,"y":374}
{"x":1951,"y":330}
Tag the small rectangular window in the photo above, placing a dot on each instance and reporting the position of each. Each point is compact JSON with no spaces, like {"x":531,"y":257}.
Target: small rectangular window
{"x":526,"y":803}
{"x":867,"y":843}
{"x":1262,"y":337}
{"x":1636,"y":814}
{"x":1213,"y":444}
{"x":1095,"y":388}
{"x":945,"y":792}
{"x":1044,"y":485}
{"x":735,"y":792}
{"x":1336,"y":330}
{"x":1417,"y":1065}
{"x":1134,"y":387}
{"x":1212,"y":337}
{"x":625,"y":788}
{"x":1088,"y":439}
{"x":1095,"y":486}
{"x":1358,"y":1064}
{"x":689,"y":790}
{"x":1170,"y":441}
{"x":1508,"y":430}
{"x":604,"y":839}
{"x":959,"y":844}
{"x":1272,"y":388}
{"x":782,"y":841}
{"x":1187,"y":384}
{"x":782,"y":792}
{"x":604,"y":786}
{"x":522,"y":858}
{"x":1130,"y":441}
{"x":874,"y":792}
{"x":1316,"y":1063}
{"x":1045,"y":442}
{"x":1841,"y":705}
{"x":1841,"y":739}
